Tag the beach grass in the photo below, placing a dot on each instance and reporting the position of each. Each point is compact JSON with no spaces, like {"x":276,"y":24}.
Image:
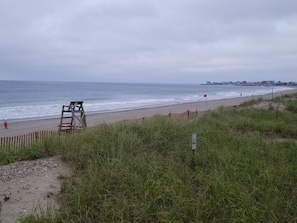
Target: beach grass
{"x":32,"y":152}
{"x":243,"y":170}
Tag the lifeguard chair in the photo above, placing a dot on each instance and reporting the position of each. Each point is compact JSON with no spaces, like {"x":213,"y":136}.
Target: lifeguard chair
{"x":73,"y":117}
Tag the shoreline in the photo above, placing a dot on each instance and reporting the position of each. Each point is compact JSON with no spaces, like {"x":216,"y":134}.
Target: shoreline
{"x":21,"y":127}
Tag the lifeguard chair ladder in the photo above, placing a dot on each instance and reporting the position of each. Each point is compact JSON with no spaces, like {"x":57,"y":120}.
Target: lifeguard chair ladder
{"x":73,"y":117}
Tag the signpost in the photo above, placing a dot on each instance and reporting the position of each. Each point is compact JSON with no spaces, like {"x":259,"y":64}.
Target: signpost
{"x":194,"y":142}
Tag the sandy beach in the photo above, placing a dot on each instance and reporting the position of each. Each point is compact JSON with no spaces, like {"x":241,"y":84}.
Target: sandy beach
{"x":17,"y":128}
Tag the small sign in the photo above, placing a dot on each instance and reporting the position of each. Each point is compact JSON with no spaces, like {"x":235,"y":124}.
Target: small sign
{"x":193,"y":141}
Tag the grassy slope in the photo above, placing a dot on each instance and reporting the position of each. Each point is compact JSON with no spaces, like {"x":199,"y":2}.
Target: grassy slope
{"x":244,"y":170}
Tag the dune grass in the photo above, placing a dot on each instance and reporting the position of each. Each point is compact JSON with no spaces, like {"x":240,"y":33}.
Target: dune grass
{"x":33,"y":152}
{"x":146,"y":172}
{"x":244,"y":170}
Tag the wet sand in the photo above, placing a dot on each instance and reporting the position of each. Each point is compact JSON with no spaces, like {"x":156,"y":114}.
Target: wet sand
{"x":17,"y":128}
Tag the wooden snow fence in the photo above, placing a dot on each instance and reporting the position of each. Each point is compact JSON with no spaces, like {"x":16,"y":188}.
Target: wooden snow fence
{"x":16,"y":142}
{"x":187,"y":115}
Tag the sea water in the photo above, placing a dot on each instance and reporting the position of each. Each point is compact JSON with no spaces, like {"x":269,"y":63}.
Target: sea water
{"x":23,"y":100}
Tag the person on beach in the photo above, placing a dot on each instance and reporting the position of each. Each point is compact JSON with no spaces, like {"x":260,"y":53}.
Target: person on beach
{"x":5,"y":124}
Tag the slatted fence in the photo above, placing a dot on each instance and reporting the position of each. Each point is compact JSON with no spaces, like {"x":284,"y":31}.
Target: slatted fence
{"x":176,"y":116}
{"x":185,"y":115}
{"x":15,"y":142}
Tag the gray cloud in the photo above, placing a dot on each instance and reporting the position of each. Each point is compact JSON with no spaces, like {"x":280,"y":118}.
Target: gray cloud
{"x":148,"y":41}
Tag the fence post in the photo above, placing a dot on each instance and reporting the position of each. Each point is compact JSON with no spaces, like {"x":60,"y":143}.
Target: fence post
{"x":36,"y":136}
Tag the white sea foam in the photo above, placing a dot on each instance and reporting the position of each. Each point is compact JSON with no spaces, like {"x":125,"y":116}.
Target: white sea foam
{"x":28,"y":112}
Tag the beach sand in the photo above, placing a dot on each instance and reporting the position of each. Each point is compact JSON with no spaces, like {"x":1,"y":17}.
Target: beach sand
{"x":17,"y":128}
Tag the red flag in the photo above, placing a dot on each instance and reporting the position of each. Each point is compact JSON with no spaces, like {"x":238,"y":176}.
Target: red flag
{"x":205,"y":95}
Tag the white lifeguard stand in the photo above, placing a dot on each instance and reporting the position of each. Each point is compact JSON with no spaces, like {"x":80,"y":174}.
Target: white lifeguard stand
{"x":73,"y":117}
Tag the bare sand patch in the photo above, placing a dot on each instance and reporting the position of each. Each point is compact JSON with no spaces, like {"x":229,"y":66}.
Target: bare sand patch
{"x":270,"y":106}
{"x":31,"y":187}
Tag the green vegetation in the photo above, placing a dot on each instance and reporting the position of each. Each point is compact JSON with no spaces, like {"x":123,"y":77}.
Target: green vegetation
{"x":244,"y":169}
{"x":28,"y":153}
{"x":289,"y":100}
{"x":43,"y":218}
{"x":28,"y":219}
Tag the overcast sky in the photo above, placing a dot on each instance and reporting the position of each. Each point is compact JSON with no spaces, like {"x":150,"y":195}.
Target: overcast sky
{"x":165,"y":41}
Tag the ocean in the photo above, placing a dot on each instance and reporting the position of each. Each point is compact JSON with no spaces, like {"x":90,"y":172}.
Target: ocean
{"x":25,"y":100}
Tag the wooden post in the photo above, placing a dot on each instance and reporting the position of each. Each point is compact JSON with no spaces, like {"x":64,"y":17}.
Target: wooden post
{"x":277,"y":110}
{"x":36,"y":136}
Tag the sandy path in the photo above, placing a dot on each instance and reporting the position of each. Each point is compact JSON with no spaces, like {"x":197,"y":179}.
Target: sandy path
{"x":30,"y":187}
